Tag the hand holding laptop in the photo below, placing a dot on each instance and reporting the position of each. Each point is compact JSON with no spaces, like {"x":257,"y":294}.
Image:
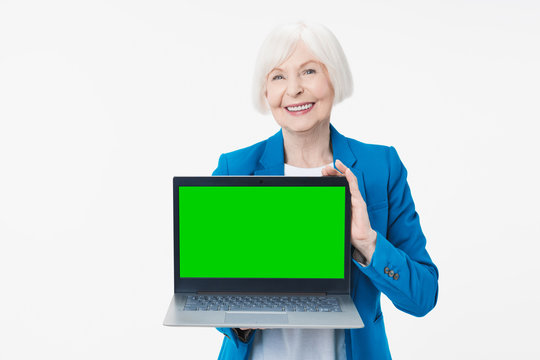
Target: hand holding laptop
{"x":363,"y":237}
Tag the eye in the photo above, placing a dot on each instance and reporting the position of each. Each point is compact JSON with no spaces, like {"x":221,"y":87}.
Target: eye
{"x":277,"y":77}
{"x":309,"y":71}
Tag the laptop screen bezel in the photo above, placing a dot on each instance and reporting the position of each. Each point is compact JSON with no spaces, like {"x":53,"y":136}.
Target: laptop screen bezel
{"x":257,"y":285}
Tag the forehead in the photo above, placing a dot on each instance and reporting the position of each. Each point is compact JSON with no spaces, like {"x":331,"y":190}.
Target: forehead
{"x":300,"y":56}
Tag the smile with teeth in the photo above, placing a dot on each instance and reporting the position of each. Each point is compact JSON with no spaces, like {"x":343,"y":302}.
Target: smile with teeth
{"x":299,"y":108}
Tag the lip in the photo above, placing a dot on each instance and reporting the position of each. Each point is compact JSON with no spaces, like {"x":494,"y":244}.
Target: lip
{"x":298,"y":113}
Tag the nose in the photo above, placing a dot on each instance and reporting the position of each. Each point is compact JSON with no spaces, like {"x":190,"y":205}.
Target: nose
{"x":294,"y":87}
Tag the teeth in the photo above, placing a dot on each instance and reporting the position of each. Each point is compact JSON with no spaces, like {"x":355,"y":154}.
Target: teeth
{"x":299,"y":108}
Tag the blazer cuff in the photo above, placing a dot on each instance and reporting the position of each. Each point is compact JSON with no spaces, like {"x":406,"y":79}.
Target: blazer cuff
{"x":384,"y":262}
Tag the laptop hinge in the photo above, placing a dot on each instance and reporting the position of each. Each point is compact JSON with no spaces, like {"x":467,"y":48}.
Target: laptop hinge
{"x":260,"y":293}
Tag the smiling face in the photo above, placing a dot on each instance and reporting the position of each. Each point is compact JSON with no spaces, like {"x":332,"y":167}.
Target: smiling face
{"x":299,"y":92}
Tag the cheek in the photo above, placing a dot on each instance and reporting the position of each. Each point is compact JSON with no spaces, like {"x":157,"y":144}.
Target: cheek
{"x":271,"y":100}
{"x":323,"y":90}
{"x":273,"y":96}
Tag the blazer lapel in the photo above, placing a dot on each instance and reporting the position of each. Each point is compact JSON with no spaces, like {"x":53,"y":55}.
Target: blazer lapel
{"x":272,"y":159}
{"x":342,"y":151}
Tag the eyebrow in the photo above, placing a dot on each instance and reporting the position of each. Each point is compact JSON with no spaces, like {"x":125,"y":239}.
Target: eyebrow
{"x":302,"y":65}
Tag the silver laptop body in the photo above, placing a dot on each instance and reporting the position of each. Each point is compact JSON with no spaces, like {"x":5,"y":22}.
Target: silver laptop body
{"x":262,"y":252}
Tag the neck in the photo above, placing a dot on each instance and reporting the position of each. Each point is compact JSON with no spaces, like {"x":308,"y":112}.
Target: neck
{"x":308,"y":149}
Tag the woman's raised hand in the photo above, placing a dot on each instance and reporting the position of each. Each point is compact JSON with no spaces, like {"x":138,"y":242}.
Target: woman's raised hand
{"x":363,"y":237}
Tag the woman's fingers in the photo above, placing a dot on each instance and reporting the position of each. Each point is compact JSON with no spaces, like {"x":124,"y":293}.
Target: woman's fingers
{"x":361,"y":232}
{"x":340,"y":166}
{"x":330,"y":171}
{"x":353,"y":182}
{"x":351,"y":179}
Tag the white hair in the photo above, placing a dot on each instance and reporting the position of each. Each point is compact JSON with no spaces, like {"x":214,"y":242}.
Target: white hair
{"x":280,"y":44}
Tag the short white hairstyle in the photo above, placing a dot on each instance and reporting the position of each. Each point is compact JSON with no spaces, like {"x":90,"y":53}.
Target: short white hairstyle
{"x":280,"y":44}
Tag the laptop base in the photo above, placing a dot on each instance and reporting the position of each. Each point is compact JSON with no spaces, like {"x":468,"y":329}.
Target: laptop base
{"x":348,"y":318}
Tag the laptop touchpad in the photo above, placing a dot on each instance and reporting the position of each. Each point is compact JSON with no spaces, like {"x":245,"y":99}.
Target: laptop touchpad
{"x":235,"y":318}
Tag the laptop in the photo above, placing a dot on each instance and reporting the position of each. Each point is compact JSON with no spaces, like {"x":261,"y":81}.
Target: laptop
{"x":262,"y":252}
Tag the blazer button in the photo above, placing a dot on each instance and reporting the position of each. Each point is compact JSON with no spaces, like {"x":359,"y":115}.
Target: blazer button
{"x":391,"y":273}
{"x":386,"y":270}
{"x":396,"y":276}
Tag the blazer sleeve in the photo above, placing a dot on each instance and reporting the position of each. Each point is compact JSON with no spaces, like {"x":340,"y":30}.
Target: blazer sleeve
{"x":403,"y":251}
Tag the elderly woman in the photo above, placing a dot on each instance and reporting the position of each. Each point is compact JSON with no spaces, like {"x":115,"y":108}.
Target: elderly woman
{"x":301,"y":72}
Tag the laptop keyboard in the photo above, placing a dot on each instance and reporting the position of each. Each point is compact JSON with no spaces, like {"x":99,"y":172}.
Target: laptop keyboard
{"x":262,"y":303}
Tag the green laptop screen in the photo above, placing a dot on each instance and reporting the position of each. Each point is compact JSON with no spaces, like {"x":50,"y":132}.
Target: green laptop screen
{"x":262,"y":232}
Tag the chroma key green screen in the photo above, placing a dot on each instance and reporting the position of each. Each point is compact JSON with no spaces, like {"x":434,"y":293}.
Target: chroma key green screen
{"x":262,"y":232}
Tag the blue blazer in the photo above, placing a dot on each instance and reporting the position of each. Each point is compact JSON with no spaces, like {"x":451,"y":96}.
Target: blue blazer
{"x":400,"y":267}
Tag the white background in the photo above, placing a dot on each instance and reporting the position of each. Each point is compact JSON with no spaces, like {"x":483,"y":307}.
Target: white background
{"x":103,"y":102}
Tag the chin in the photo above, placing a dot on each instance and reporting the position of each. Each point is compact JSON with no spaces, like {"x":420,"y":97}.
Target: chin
{"x":302,"y":125}
{"x":300,"y":128}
